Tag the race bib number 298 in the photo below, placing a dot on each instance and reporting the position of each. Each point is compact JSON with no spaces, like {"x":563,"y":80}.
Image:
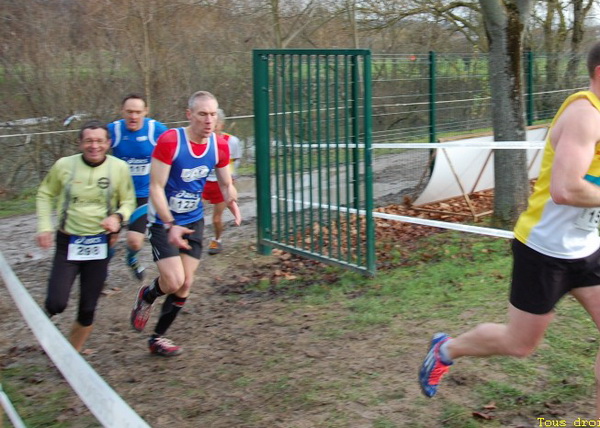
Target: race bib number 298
{"x":83,"y":248}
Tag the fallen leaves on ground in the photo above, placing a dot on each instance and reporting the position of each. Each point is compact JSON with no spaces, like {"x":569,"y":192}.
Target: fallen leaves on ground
{"x":392,"y":237}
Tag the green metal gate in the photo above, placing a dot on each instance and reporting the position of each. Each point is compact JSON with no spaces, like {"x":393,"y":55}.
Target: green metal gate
{"x":313,"y":154}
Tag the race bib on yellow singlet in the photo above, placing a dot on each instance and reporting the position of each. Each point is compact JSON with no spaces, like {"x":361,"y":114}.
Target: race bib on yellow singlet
{"x":588,"y":220}
{"x":83,"y":248}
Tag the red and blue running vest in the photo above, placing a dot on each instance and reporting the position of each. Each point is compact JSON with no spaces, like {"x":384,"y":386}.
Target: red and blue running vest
{"x":187,"y":178}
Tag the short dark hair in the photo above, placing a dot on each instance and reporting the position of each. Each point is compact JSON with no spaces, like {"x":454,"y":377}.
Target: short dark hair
{"x":593,"y":59}
{"x":134,"y":96}
{"x":93,"y":124}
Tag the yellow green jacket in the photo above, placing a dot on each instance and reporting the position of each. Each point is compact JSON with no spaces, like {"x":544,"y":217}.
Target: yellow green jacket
{"x":84,"y":195}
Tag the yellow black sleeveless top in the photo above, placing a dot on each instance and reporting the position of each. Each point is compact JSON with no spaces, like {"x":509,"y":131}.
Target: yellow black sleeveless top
{"x":561,"y":231}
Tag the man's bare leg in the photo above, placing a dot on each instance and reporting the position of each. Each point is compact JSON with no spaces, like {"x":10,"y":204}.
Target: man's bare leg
{"x":589,"y":297}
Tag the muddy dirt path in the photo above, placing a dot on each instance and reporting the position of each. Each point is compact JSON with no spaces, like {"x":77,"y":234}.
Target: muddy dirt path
{"x":248,"y":361}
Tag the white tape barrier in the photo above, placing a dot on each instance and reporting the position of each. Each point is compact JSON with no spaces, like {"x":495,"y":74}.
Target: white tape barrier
{"x":461,"y":167}
{"x":478,"y":144}
{"x":108,"y":407}
{"x":10,"y":411}
{"x":468,"y":143}
{"x":498,"y":233}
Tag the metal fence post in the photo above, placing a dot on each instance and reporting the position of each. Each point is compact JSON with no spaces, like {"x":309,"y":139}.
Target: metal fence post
{"x":529,"y":88}
{"x":432,"y":98}
{"x":263,"y":167}
{"x":367,"y":137}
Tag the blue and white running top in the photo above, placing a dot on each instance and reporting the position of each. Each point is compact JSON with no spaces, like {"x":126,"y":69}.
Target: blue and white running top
{"x":187,"y":178}
{"x":135,"y":148}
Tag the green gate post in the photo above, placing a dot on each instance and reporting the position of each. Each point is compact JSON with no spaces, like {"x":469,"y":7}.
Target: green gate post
{"x":432,"y":98}
{"x":355,"y":132}
{"x":529,"y":71}
{"x":367,"y":132}
{"x":262,"y":150}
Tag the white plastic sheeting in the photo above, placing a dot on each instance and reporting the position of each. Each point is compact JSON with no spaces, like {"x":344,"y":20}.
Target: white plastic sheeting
{"x":463,"y":168}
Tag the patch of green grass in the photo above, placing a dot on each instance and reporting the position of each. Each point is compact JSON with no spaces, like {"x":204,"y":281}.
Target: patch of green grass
{"x":522,"y":368}
{"x":508,"y":394}
{"x":243,"y":381}
{"x":560,"y":371}
{"x":370,"y":312}
{"x":22,"y":203}
{"x":43,"y":405}
{"x":337,"y":419}
{"x":384,"y":423}
{"x":262,"y":285}
{"x":455,"y":281}
{"x":460,"y":273}
{"x":456,"y":416}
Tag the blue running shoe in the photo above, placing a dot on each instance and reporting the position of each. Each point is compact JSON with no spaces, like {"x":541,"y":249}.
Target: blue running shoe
{"x":433,"y":369}
{"x":136,"y":268}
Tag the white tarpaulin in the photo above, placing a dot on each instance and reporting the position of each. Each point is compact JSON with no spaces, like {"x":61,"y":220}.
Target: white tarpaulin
{"x":463,"y":170}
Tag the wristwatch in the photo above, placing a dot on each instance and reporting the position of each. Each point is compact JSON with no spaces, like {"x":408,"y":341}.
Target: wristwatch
{"x":168,"y":225}
{"x":121,"y":222}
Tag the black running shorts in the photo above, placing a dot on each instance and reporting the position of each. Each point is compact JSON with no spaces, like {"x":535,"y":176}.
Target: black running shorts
{"x":139,"y":218}
{"x":161,"y":249}
{"x":92,"y":274}
{"x":540,"y":281}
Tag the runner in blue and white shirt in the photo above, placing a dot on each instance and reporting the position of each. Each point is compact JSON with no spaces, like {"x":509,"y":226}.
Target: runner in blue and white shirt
{"x":133,"y":140}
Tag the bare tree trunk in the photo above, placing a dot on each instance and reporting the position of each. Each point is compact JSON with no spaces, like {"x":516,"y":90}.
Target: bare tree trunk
{"x":580,"y":12}
{"x":145,"y":15}
{"x":274,"y":5}
{"x":555,"y":34}
{"x":147,"y":67}
{"x":505,"y":23}
{"x":351,"y":8}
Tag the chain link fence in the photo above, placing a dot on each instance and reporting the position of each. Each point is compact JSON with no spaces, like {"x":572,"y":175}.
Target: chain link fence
{"x":415,"y":98}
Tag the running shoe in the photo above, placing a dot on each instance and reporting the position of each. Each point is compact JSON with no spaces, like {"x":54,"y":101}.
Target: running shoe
{"x":163,"y":347}
{"x":141,"y":310}
{"x":433,"y":369}
{"x":136,"y":267}
{"x":214,"y":247}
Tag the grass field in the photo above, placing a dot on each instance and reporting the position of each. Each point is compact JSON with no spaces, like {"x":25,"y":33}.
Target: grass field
{"x":23,"y":203}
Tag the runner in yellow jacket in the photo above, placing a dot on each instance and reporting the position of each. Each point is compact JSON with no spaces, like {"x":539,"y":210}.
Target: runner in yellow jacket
{"x":93,"y":195}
